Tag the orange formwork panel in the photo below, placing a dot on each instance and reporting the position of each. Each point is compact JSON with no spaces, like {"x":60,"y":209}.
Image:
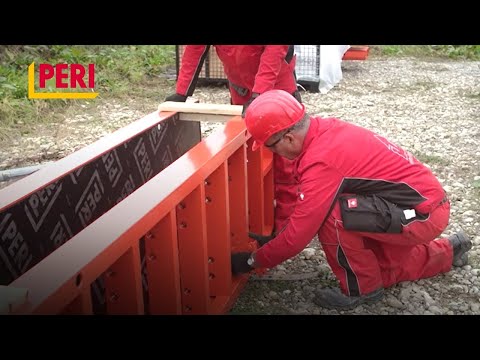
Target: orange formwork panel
{"x":192,"y":241}
{"x":217,"y":208}
{"x":163,"y":268}
{"x":192,"y":215}
{"x":260,"y":190}
{"x":42,"y":212}
{"x":123,"y":282}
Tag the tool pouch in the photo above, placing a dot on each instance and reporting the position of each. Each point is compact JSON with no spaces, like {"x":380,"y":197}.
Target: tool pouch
{"x":370,"y":213}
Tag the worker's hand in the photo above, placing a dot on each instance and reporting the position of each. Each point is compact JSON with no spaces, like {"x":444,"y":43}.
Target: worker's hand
{"x":176,"y":98}
{"x":247,"y":104}
{"x":239,"y":263}
{"x":261,"y":239}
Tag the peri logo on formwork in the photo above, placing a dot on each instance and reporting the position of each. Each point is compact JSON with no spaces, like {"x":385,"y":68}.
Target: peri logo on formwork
{"x":40,"y":203}
{"x":113,"y":167}
{"x":91,"y":197}
{"x":15,"y":255}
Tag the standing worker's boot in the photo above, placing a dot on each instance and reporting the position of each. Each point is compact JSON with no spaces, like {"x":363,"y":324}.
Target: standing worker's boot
{"x":460,"y":244}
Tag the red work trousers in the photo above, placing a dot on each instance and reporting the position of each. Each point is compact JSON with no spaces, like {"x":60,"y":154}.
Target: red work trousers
{"x":365,"y":261}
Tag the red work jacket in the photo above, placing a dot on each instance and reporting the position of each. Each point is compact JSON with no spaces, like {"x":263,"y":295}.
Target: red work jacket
{"x":340,"y":157}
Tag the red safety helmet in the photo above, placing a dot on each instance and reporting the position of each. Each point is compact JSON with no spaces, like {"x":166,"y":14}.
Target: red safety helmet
{"x":271,"y":112}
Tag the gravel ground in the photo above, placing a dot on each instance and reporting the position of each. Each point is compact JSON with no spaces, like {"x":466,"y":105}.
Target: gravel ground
{"x":429,"y":107}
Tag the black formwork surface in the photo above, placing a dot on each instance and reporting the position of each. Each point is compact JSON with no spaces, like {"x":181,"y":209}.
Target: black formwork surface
{"x":34,"y":227}
{"x":307,"y":68}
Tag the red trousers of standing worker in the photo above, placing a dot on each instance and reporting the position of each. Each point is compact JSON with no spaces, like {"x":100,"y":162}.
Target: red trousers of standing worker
{"x":365,"y":261}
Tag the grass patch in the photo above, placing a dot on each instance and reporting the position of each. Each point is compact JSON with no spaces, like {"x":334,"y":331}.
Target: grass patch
{"x":476,"y":184}
{"x":474,"y":96}
{"x":476,"y":190}
{"x":431,"y":159}
{"x":121,"y":71}
{"x":424,"y":85}
{"x":125,"y":73}
{"x":470,"y":52}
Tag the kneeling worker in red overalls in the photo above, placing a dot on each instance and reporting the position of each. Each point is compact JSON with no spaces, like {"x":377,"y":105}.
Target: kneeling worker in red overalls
{"x":377,"y":210}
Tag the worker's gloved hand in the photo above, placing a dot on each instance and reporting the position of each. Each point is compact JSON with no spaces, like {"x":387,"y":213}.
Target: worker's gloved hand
{"x":176,"y":97}
{"x":247,"y":104}
{"x":261,"y":239}
{"x":239,"y":263}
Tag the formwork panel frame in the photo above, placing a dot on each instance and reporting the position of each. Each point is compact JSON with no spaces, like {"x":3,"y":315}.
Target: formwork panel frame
{"x":212,"y":183}
{"x":123,"y":284}
{"x":217,"y":205}
{"x":163,"y":273}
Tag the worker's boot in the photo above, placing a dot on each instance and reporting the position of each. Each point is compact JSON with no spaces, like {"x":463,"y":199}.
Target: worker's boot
{"x":334,"y":299}
{"x":460,"y":244}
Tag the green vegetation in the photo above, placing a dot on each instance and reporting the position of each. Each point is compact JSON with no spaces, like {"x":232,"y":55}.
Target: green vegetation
{"x":126,"y":71}
{"x":431,"y":159}
{"x":424,"y":85}
{"x":120,"y":71}
{"x":476,"y":184}
{"x":470,"y":52}
{"x":474,"y":95}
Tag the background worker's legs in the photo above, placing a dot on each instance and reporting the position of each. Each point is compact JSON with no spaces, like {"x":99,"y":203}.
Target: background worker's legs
{"x":363,"y":262}
{"x":236,"y":98}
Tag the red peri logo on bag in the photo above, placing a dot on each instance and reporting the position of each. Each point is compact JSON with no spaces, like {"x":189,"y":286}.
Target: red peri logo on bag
{"x":352,"y":203}
{"x":67,"y":76}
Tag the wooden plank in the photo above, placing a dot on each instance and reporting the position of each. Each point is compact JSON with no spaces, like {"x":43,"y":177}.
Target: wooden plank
{"x":205,"y":117}
{"x":199,"y":108}
{"x":358,"y":48}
